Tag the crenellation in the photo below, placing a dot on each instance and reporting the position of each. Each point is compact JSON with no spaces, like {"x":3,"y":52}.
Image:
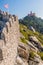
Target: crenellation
{"x":7,"y":28}
{"x":1,"y":55}
{"x":10,"y":24}
{"x":14,"y":17}
{"x":4,"y":13}
{"x":10,"y":21}
{"x":3,"y":38}
{"x":1,"y":12}
{"x":10,"y":38}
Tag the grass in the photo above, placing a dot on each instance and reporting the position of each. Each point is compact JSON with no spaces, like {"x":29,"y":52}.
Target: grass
{"x":27,"y":33}
{"x":41,"y":55}
{"x":23,"y":40}
{"x":31,"y":54}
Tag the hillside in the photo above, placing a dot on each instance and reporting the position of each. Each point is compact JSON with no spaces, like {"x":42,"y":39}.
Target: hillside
{"x":29,"y":20}
{"x":33,"y":42}
{"x":27,"y":33}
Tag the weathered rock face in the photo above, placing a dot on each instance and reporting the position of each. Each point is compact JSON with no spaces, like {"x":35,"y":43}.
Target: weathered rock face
{"x":23,"y":51}
{"x":36,"y":42}
{"x":24,"y":57}
{"x":34,"y":39}
{"x":35,"y":61}
{"x":9,"y":38}
{"x":31,"y":28}
{"x":32,"y":47}
{"x":23,"y":54}
{"x":20,"y":61}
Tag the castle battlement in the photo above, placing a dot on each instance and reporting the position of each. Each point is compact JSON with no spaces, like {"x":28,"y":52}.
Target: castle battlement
{"x":9,"y":38}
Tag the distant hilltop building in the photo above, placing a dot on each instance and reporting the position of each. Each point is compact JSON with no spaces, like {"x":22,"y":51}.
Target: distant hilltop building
{"x":9,"y":38}
{"x":32,"y":14}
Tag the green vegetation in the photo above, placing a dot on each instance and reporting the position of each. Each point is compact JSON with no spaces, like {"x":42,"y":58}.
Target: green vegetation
{"x":23,"y":40}
{"x":27,"y":33}
{"x":31,"y":54}
{"x":41,"y":55}
{"x":34,"y":21}
{"x":25,"y":30}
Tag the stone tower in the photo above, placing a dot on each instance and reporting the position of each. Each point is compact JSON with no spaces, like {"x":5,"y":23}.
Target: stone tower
{"x":9,"y":38}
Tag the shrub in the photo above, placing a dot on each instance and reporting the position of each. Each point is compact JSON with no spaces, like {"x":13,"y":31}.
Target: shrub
{"x":23,"y":40}
{"x":31,"y":54}
{"x":41,"y":55}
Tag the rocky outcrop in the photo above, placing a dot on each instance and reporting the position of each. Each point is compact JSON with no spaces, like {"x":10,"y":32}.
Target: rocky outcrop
{"x":34,"y":39}
{"x":20,"y":61}
{"x":23,"y":54}
{"x":23,"y":51}
{"x":35,"y":61}
{"x":24,"y":57}
{"x":32,"y":47}
{"x":36,"y":42}
{"x":31,"y":28}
